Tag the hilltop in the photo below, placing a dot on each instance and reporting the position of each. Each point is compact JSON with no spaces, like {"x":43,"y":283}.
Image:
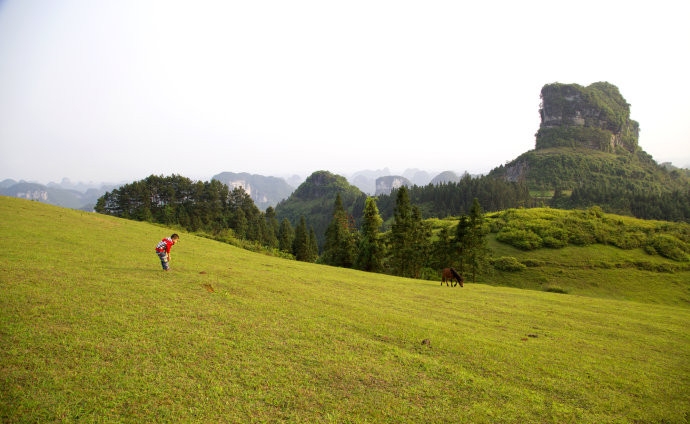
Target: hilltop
{"x":315,"y":198}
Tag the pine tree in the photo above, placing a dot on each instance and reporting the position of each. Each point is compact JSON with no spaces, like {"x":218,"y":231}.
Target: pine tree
{"x":443,"y":251}
{"x":462,"y":241}
{"x":408,"y":238}
{"x":272,"y":228}
{"x":301,"y":246}
{"x":479,"y":252}
{"x":421,"y":240}
{"x":313,"y":254}
{"x":285,"y":236}
{"x":339,"y":247}
{"x":370,"y":250}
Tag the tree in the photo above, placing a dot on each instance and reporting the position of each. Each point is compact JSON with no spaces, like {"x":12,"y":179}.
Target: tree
{"x":369,"y":249}
{"x":401,"y":234}
{"x":478,"y":254}
{"x":339,"y":247}
{"x":421,"y":240}
{"x":462,"y":241}
{"x":409,"y":238}
{"x":313,"y":246}
{"x":443,"y":251}
{"x":302,"y":248}
{"x":271,"y":229}
{"x":285,"y":236}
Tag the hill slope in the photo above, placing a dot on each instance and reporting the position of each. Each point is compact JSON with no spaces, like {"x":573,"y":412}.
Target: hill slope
{"x":92,"y":330}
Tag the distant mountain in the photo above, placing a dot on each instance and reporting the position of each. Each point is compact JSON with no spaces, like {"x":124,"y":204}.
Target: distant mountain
{"x":7,"y":183}
{"x":384,"y":185}
{"x":367,"y":180}
{"x":417,"y":176}
{"x":264,"y":191}
{"x":315,"y":198}
{"x":445,"y":177}
{"x":54,"y":195}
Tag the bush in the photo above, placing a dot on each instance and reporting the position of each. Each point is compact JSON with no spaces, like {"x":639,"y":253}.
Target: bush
{"x":630,"y":240}
{"x":669,"y":247}
{"x":508,"y":263}
{"x":533,"y":263}
{"x":554,"y":243}
{"x":580,"y":237}
{"x":522,"y":239}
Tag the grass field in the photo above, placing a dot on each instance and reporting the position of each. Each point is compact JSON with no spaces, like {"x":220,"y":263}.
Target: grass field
{"x":92,"y":330}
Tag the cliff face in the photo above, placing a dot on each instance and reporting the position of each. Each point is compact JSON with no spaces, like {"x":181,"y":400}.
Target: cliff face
{"x":596,"y":116}
{"x":384,"y":185}
{"x":264,"y":191}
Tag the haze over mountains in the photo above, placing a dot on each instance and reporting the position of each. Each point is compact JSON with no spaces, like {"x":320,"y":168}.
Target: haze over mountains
{"x":586,"y":152}
{"x":265,"y":190}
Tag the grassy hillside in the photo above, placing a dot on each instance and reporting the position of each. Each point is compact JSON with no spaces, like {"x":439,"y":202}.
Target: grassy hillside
{"x":92,"y":330}
{"x":592,"y":253}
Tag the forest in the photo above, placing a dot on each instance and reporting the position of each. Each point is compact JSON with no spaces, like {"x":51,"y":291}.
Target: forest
{"x":407,"y":242}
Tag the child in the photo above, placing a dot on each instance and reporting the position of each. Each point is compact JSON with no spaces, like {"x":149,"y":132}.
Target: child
{"x":163,"y":250}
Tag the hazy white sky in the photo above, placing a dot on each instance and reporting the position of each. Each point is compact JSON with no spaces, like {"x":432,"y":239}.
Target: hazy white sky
{"x":112,"y":90}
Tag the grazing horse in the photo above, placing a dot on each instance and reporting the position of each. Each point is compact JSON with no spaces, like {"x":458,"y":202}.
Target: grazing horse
{"x":450,"y":274}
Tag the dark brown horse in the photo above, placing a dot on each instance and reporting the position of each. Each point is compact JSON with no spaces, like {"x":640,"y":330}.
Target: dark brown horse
{"x":450,"y":274}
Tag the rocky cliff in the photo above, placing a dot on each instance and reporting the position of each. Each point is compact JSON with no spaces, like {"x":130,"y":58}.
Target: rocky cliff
{"x":384,"y":185}
{"x":264,"y":191}
{"x":596,"y":116}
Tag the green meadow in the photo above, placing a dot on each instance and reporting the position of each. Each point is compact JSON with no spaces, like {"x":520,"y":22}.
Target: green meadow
{"x":92,"y":330}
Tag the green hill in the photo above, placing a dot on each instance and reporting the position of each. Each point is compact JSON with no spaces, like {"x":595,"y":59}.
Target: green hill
{"x":92,"y":330}
{"x":315,"y":198}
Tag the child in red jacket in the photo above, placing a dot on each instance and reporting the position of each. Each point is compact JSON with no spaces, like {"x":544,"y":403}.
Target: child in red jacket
{"x":163,"y":250}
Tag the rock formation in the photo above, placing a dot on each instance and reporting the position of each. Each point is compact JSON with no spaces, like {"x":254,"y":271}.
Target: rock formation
{"x":596,"y":116}
{"x":384,"y":185}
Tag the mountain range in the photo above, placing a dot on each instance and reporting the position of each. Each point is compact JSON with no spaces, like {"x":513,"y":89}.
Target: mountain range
{"x":586,"y":153}
{"x":265,"y":191}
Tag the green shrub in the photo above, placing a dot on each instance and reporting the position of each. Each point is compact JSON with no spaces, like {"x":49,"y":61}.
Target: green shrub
{"x":508,"y":263}
{"x":581,"y":237}
{"x":630,"y":240}
{"x":554,"y":243}
{"x":522,"y":239}
{"x":533,"y":263}
{"x":669,"y":247}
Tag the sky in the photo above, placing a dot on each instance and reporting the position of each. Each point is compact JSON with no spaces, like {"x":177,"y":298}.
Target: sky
{"x":117,"y":90}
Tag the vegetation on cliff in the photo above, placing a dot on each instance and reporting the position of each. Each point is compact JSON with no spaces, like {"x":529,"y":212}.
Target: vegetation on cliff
{"x":596,"y":116}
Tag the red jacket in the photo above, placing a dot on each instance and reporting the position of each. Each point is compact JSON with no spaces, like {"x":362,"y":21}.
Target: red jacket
{"x":164,"y":245}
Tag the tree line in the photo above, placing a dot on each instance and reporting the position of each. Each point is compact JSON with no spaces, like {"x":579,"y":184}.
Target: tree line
{"x":457,"y":198}
{"x":408,"y":249}
{"x":211,"y":208}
